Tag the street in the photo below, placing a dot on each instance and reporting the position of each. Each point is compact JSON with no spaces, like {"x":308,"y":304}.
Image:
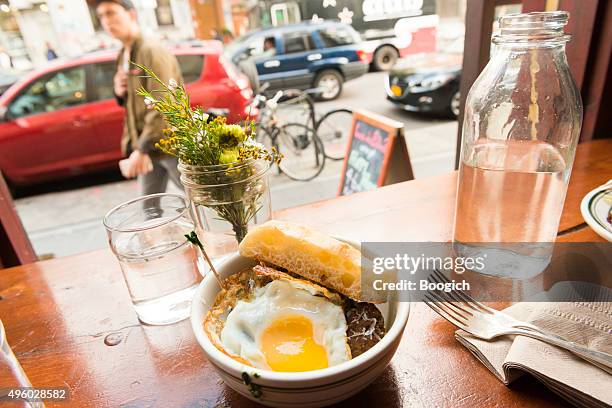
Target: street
{"x":68,"y":222}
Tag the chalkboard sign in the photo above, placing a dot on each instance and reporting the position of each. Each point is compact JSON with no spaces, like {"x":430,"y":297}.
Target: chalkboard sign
{"x":376,"y":154}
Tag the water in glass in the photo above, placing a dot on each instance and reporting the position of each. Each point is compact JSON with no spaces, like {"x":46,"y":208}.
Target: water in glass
{"x":159,"y":265}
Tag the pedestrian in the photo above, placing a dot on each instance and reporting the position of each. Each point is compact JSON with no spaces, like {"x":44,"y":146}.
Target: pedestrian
{"x":143,"y":127}
{"x":51,"y":54}
{"x":227,"y":36}
{"x":215,"y":35}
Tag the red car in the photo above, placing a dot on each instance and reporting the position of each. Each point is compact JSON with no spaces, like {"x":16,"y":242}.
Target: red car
{"x":63,"y":120}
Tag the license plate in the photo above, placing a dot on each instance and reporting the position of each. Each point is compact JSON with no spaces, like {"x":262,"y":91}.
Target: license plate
{"x":396,"y":90}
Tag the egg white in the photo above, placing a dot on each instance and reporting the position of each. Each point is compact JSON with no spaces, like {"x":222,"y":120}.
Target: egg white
{"x":246,"y":322}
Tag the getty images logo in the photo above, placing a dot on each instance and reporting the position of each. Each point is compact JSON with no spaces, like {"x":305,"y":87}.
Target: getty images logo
{"x":412,"y":264}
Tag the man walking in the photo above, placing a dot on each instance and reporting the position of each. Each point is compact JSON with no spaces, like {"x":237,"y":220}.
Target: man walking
{"x":142,"y":128}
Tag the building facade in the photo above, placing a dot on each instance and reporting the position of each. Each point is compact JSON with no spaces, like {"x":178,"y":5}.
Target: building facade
{"x":70,"y":27}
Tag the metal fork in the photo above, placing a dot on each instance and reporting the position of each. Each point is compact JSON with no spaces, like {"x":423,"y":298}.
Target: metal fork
{"x":486,"y":323}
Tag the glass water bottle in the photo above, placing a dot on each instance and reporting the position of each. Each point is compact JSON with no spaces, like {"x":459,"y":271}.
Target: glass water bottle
{"x":521,"y":126}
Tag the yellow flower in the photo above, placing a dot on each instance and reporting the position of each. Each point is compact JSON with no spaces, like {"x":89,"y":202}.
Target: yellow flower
{"x":228,"y":156}
{"x":231,"y":136}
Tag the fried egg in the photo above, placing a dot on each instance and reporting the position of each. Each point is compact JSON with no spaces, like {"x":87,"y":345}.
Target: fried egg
{"x":285,"y":327}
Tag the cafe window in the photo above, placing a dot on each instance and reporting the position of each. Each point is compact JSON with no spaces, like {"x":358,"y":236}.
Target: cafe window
{"x":163,"y":12}
{"x":53,"y":92}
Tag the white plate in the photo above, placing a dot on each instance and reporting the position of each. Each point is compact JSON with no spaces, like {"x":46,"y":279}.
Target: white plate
{"x":595,"y":208}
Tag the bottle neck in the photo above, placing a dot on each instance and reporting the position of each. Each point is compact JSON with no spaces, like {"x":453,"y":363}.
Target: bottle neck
{"x":533,"y":30}
{"x":517,"y":49}
{"x":519,"y":54}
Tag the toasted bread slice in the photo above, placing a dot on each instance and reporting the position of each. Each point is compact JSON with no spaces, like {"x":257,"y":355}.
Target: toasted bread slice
{"x":308,"y":253}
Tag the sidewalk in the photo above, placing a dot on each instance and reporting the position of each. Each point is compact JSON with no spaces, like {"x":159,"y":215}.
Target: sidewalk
{"x":70,"y":222}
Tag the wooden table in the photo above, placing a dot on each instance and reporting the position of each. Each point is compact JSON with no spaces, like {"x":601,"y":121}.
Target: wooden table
{"x":58,"y":313}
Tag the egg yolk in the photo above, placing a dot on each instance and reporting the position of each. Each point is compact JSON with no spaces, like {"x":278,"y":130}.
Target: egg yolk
{"x":288,"y":345}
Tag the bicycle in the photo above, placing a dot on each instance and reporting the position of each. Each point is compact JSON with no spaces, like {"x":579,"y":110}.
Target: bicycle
{"x":332,"y":128}
{"x":302,"y":150}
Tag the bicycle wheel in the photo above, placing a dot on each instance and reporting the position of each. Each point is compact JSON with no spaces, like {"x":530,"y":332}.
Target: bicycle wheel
{"x":264,"y":136}
{"x":333,"y":129}
{"x":302,"y":150}
{"x":296,"y":106}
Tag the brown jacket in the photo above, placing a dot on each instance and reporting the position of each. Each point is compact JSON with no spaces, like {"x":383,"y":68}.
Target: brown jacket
{"x":143,"y":127}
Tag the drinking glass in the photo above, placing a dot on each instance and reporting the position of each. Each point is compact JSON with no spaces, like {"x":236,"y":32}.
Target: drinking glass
{"x":12,"y":375}
{"x":159,"y":265}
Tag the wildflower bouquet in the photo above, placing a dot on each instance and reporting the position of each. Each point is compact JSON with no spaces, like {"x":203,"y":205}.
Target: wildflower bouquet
{"x":212,"y":153}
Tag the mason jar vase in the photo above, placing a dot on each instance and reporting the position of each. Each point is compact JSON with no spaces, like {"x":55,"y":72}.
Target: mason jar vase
{"x":225,"y":201}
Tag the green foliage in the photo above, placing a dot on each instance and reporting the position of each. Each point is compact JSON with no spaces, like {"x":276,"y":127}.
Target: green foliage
{"x":195,"y":139}
{"x":198,"y":141}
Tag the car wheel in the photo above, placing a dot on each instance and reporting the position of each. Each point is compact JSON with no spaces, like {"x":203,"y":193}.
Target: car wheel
{"x":385,"y":58}
{"x":454,"y":106}
{"x":330,"y":84}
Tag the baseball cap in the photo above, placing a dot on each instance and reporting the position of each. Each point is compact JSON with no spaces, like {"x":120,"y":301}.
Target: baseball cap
{"x":126,"y":4}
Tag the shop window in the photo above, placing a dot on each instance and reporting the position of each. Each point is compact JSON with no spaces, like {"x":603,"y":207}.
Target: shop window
{"x":164,"y":13}
{"x":285,"y":13}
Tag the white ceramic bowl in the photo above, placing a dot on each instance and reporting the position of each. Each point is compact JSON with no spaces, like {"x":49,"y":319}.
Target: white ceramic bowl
{"x":305,"y":389}
{"x":594,"y":208}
